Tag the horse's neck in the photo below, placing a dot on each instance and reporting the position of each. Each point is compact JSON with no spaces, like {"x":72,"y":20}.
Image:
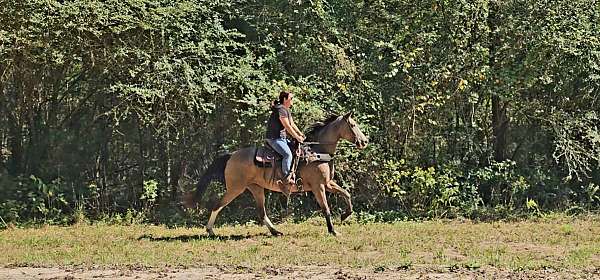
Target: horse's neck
{"x":329,"y":136}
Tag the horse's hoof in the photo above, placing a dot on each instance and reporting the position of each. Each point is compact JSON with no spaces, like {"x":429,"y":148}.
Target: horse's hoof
{"x":346,"y":215}
{"x":334,"y":233}
{"x":210,"y":232}
{"x":276,"y":233}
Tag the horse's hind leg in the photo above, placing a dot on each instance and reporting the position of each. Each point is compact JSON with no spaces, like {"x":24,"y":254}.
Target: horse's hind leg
{"x":229,"y":195}
{"x":319,"y":193}
{"x":335,"y":188}
{"x":259,"y":195}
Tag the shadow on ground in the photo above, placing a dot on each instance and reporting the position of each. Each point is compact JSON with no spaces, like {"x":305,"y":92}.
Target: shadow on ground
{"x":188,"y":238}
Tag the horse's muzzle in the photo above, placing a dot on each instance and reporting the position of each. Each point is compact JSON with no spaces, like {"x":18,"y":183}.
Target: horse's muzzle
{"x":360,"y":144}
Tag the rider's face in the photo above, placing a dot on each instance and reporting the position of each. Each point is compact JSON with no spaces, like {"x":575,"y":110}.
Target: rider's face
{"x":290,"y":100}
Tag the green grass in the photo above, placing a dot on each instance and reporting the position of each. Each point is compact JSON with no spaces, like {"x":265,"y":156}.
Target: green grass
{"x":559,"y":243}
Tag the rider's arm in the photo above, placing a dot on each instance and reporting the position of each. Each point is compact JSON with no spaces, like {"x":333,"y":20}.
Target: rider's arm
{"x":298,"y":131}
{"x":285,"y":121}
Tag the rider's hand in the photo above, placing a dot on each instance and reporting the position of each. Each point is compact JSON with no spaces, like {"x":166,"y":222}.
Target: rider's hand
{"x":301,"y":139}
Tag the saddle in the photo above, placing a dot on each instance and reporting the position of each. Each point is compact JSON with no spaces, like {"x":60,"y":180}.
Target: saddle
{"x":266,"y":156}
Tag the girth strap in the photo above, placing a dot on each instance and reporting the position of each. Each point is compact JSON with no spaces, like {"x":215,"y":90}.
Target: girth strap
{"x":319,"y":157}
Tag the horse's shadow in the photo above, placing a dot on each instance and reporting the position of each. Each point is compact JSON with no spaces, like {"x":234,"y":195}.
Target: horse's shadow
{"x":188,"y":238}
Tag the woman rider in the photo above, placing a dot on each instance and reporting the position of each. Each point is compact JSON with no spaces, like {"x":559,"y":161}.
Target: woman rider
{"x":279,"y":125}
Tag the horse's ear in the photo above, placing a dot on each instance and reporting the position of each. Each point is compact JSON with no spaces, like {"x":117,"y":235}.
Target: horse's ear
{"x":348,"y":115}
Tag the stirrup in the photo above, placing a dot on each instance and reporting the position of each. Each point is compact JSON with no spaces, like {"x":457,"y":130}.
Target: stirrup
{"x":290,"y":178}
{"x":286,"y":188}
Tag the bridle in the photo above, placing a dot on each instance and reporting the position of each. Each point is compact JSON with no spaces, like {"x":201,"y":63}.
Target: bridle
{"x":353,"y":128}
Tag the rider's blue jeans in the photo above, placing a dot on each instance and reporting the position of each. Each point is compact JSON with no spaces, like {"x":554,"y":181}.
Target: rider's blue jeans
{"x":281,"y":146}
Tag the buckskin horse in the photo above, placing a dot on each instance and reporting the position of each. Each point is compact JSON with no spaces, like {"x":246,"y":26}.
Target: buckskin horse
{"x":239,"y":172}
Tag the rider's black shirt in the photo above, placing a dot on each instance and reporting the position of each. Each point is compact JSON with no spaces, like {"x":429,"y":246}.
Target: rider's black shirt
{"x":275,"y":128}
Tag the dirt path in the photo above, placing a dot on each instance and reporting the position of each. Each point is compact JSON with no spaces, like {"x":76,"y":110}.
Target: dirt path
{"x":308,"y":272}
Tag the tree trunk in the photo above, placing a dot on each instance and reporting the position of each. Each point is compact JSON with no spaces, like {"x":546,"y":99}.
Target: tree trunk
{"x":15,"y":146}
{"x":499,"y":106}
{"x":15,"y":128}
{"x":500,"y":128}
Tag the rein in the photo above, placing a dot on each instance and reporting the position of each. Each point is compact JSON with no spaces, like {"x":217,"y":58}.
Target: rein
{"x":339,"y":144}
{"x":354,"y":132}
{"x":319,"y":143}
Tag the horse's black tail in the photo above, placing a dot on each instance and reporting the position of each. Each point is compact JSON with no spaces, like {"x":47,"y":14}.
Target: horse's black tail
{"x":215,"y":171}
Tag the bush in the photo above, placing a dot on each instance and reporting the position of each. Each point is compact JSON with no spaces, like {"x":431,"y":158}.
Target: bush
{"x":31,"y":198}
{"x":429,"y":191}
{"x":500,"y":183}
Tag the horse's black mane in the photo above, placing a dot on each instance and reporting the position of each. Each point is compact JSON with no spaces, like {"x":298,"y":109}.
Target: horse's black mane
{"x":314,"y":129}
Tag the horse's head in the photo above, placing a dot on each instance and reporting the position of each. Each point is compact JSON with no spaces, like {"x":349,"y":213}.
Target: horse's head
{"x":351,"y":132}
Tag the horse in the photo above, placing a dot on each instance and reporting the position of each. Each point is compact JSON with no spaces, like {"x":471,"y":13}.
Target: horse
{"x":239,"y":173}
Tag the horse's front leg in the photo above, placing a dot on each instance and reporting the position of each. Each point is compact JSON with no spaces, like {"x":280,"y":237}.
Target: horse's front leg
{"x":319,"y":193}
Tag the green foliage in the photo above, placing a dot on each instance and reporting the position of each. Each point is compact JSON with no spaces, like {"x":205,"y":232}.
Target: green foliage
{"x":150,"y":191}
{"x":436,"y":193}
{"x":577,"y":143}
{"x":149,"y":195}
{"x":532,"y":206}
{"x":500,"y":183}
{"x":31,"y":198}
{"x":470,"y":107}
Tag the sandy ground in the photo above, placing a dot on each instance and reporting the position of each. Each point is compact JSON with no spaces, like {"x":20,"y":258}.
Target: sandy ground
{"x":308,"y":272}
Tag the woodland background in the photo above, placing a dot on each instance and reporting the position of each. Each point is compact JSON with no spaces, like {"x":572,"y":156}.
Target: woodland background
{"x":478,"y":109}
